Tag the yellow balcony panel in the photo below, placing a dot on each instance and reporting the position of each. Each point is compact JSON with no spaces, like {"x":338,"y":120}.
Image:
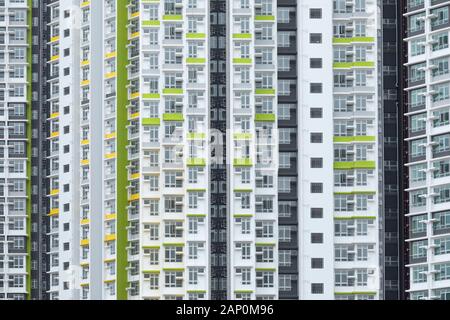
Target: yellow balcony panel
{"x":134,"y":115}
{"x":54,"y":192}
{"x":85,"y":4}
{"x":85,"y":162}
{"x":135,"y":35}
{"x":109,"y":260}
{"x":111,"y":135}
{"x":54,"y":39}
{"x":110,"y":75}
{"x":54,"y":58}
{"x":85,"y":82}
{"x":110,"y":55}
{"x":54,"y":134}
{"x":54,"y":115}
{"x":85,"y":62}
{"x":111,"y":216}
{"x":85,"y":221}
{"x":135,"y":14}
{"x":111,"y":155}
{"x":110,"y":237}
{"x":85,"y":142}
{"x":84,"y":242}
{"x":54,"y":212}
{"x":134,"y":197}
{"x":135,"y":176}
{"x":135,"y":95}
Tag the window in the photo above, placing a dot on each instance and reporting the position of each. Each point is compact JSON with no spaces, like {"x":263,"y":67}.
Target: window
{"x":315,"y":38}
{"x":315,"y":13}
{"x":316,"y":137}
{"x":264,"y":279}
{"x":317,"y":288}
{"x":316,"y":237}
{"x":441,"y":17}
{"x":440,"y":41}
{"x":417,"y":22}
{"x":316,"y":113}
{"x":315,"y":63}
{"x":316,"y":162}
{"x":316,"y":263}
{"x":417,"y":47}
{"x":285,"y":282}
{"x":316,"y":187}
{"x":316,"y":213}
{"x":315,"y":88}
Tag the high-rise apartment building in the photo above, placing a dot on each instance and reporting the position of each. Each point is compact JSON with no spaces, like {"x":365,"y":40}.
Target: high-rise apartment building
{"x":215,"y":149}
{"x":426,"y":149}
{"x":15,"y":151}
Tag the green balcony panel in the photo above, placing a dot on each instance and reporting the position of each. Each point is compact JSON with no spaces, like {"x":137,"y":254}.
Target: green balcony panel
{"x":242,"y":136}
{"x":354,"y":139}
{"x":242,"y":215}
{"x":196,"y":136}
{"x":173,"y":117}
{"x":354,"y":165}
{"x":355,"y":217}
{"x":173,"y":91}
{"x":265,"y":91}
{"x":173,"y":17}
{"x":151,"y":121}
{"x":265,"y":18}
{"x":151,"y":96}
{"x":348,"y":65}
{"x":356,"y":192}
{"x":191,"y":162}
{"x":265,"y":117}
{"x":196,"y":190}
{"x":356,"y":292}
{"x":242,"y":60}
{"x":195,"y":60}
{"x":242,"y":162}
{"x":354,"y":39}
{"x":149,"y":23}
{"x":242,"y":35}
{"x":195,"y":36}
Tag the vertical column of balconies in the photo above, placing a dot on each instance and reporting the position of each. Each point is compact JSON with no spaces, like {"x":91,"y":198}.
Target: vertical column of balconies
{"x":427,"y":136}
{"x":115,"y":96}
{"x":37,"y":117}
{"x":391,"y":183}
{"x":85,"y":148}
{"x":219,"y":164}
{"x":147,"y":170}
{"x":15,"y":100}
{"x":173,"y":223}
{"x":133,"y":147}
{"x":252,"y":191}
{"x":53,"y":102}
{"x":266,"y":152}
{"x":287,"y":120}
{"x":197,"y":137}
{"x":356,"y":211}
